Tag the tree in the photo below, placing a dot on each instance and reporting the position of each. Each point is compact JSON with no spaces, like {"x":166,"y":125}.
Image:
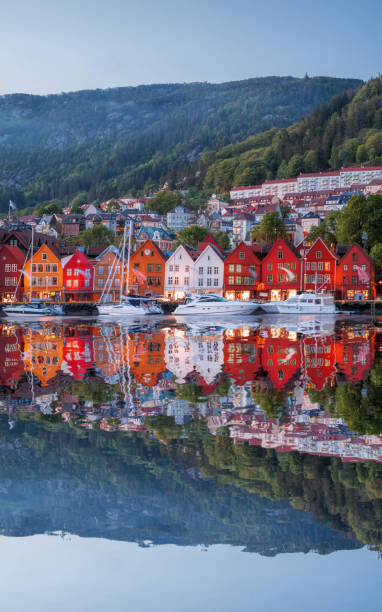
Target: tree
{"x":191,"y":236}
{"x":48,"y":209}
{"x":112,"y":206}
{"x":326,"y":230}
{"x":164,"y":201}
{"x":285,"y":210}
{"x":99,"y":235}
{"x":76,"y":210}
{"x":362,"y":217}
{"x":222,"y":239}
{"x":271,"y":228}
{"x":79,"y":199}
{"x":376,"y":255}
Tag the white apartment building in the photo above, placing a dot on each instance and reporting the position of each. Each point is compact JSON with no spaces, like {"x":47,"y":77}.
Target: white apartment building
{"x":279,"y":188}
{"x":240,"y":193}
{"x":179,"y":218}
{"x":201,"y":353}
{"x":209,"y":271}
{"x":359,"y":175}
{"x":321,"y":181}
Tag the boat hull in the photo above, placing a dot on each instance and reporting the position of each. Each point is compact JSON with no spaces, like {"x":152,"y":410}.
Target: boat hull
{"x":216,"y":309}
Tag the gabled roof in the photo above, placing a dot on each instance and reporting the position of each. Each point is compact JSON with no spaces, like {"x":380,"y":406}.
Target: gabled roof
{"x":153,"y":246}
{"x":110,"y":249}
{"x":286,"y":243}
{"x":343,"y":249}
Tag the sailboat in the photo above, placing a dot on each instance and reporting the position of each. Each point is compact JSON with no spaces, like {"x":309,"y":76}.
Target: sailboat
{"x":33,"y":308}
{"x":124,"y":307}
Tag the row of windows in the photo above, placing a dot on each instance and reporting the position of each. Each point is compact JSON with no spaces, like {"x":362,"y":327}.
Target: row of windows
{"x":11,"y":267}
{"x":44,"y":281}
{"x":238,"y":268}
{"x":75,"y":282}
{"x":281,"y":278}
{"x":102,"y":270}
{"x":317,"y":266}
{"x":44,"y":267}
{"x":287,"y":265}
{"x":76,"y":272}
{"x":209,"y":270}
{"x":117,"y":282}
{"x":241,"y":280}
{"x":10,"y":281}
{"x":319,"y":278}
{"x":209,"y":282}
{"x":186,"y":280}
{"x":176,"y":268}
{"x":354,"y":280}
{"x":354,"y":267}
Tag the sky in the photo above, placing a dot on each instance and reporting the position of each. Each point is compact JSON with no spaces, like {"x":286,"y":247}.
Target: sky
{"x":49,"y":46}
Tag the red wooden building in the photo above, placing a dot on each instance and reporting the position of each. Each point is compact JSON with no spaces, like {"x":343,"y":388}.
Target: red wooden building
{"x":11,"y":263}
{"x":355,"y":273}
{"x":280,"y":272}
{"x":319,"y":268}
{"x":78,"y":277}
{"x":242,"y":272}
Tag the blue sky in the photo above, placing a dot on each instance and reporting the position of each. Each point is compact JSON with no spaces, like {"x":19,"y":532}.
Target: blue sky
{"x":48,"y":46}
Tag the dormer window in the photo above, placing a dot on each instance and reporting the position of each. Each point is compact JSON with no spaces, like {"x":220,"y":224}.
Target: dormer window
{"x":318,"y":254}
{"x":280,"y":255}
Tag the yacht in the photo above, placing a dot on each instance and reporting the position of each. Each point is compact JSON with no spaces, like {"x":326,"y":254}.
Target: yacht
{"x":213,"y":304}
{"x":29,"y":309}
{"x":304,"y":303}
{"x":123,"y":308}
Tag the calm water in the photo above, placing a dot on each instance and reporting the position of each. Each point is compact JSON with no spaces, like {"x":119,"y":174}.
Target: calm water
{"x":182,"y":465}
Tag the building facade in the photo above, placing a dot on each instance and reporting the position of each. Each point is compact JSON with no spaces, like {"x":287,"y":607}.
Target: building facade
{"x":78,"y":277}
{"x":147,"y":270}
{"x":242,"y":273}
{"x":46,"y":273}
{"x":11,"y":263}
{"x":280,"y":272}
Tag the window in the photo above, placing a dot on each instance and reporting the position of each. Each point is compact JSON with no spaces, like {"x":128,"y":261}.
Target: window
{"x":280,"y":278}
{"x":238,"y":280}
{"x":169,"y":280}
{"x":269,"y":266}
{"x":69,"y":283}
{"x":117,"y":269}
{"x":320,"y":278}
{"x":327,"y":278}
{"x":150,"y":268}
{"x":209,"y":270}
{"x":100,"y":269}
{"x":40,"y":267}
{"x":136,"y":266}
{"x":158,"y":267}
{"x":293,"y":265}
{"x":69,"y":272}
{"x":150,"y":280}
{"x":201,"y":270}
{"x":280,"y":255}
{"x":200,"y":283}
{"x":176,"y":268}
{"x":176,"y":280}
{"x":99,"y":282}
{"x":346,"y":267}
{"x":75,"y":282}
{"x":7,"y":267}
{"x":313,"y":266}
{"x":320,"y":265}
{"x":216,"y":270}
{"x":318,"y":254}
{"x":269,"y":278}
{"x":171,"y":268}
{"x":109,"y":269}
{"x":354,"y":280}
{"x":307,"y":265}
{"x":238,"y":268}
{"x":231,"y":268}
{"x":241,"y":255}
{"x":187,"y":268}
{"x":45,"y":256}
{"x":327,"y":266}
{"x":55,"y":268}
{"x":363,"y":267}
{"x":354,"y":256}
{"x":355,"y":267}
{"x":209,"y":282}
{"x":55,"y":280}
{"x":186,"y":281}
{"x":33,"y":267}
{"x":87,"y":282}
{"x":231,"y":280}
{"x":76,"y":272}
{"x":216,"y":282}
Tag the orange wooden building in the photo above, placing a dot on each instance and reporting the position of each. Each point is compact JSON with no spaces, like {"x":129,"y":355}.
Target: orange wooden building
{"x":147,"y":270}
{"x":46,"y":275}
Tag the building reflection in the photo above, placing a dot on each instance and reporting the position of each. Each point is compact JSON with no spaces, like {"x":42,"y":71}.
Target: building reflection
{"x":274,"y":387}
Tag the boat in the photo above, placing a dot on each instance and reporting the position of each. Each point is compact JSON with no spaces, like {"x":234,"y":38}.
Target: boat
{"x":29,"y":309}
{"x":213,"y":304}
{"x":304,"y":303}
{"x":126,"y":306}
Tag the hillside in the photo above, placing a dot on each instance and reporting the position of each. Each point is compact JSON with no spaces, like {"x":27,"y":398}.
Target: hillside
{"x":109,"y":142}
{"x":345,"y":131}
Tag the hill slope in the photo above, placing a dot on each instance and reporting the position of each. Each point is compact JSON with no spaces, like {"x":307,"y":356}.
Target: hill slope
{"x":345,"y":131}
{"x":107,"y":142}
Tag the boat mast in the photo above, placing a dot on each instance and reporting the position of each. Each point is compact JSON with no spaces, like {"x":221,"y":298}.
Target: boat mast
{"x":128,"y":256}
{"x":123,"y":263}
{"x":31,"y":275}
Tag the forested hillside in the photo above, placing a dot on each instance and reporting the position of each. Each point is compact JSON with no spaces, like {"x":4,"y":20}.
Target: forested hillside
{"x":109,"y":142}
{"x":345,"y":131}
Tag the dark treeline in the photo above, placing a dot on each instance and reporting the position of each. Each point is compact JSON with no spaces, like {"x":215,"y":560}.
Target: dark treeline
{"x":343,"y":132}
{"x":110,"y":142}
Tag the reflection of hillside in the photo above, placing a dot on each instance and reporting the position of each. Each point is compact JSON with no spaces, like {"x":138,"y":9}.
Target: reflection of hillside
{"x":55,"y":477}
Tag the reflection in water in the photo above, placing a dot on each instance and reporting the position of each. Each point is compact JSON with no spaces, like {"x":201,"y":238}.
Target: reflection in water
{"x":222,"y":420}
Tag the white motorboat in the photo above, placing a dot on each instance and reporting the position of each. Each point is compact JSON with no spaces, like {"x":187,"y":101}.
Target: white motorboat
{"x":304,"y":303}
{"x":213,"y":304}
{"x":29,"y":309}
{"x":123,"y":308}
